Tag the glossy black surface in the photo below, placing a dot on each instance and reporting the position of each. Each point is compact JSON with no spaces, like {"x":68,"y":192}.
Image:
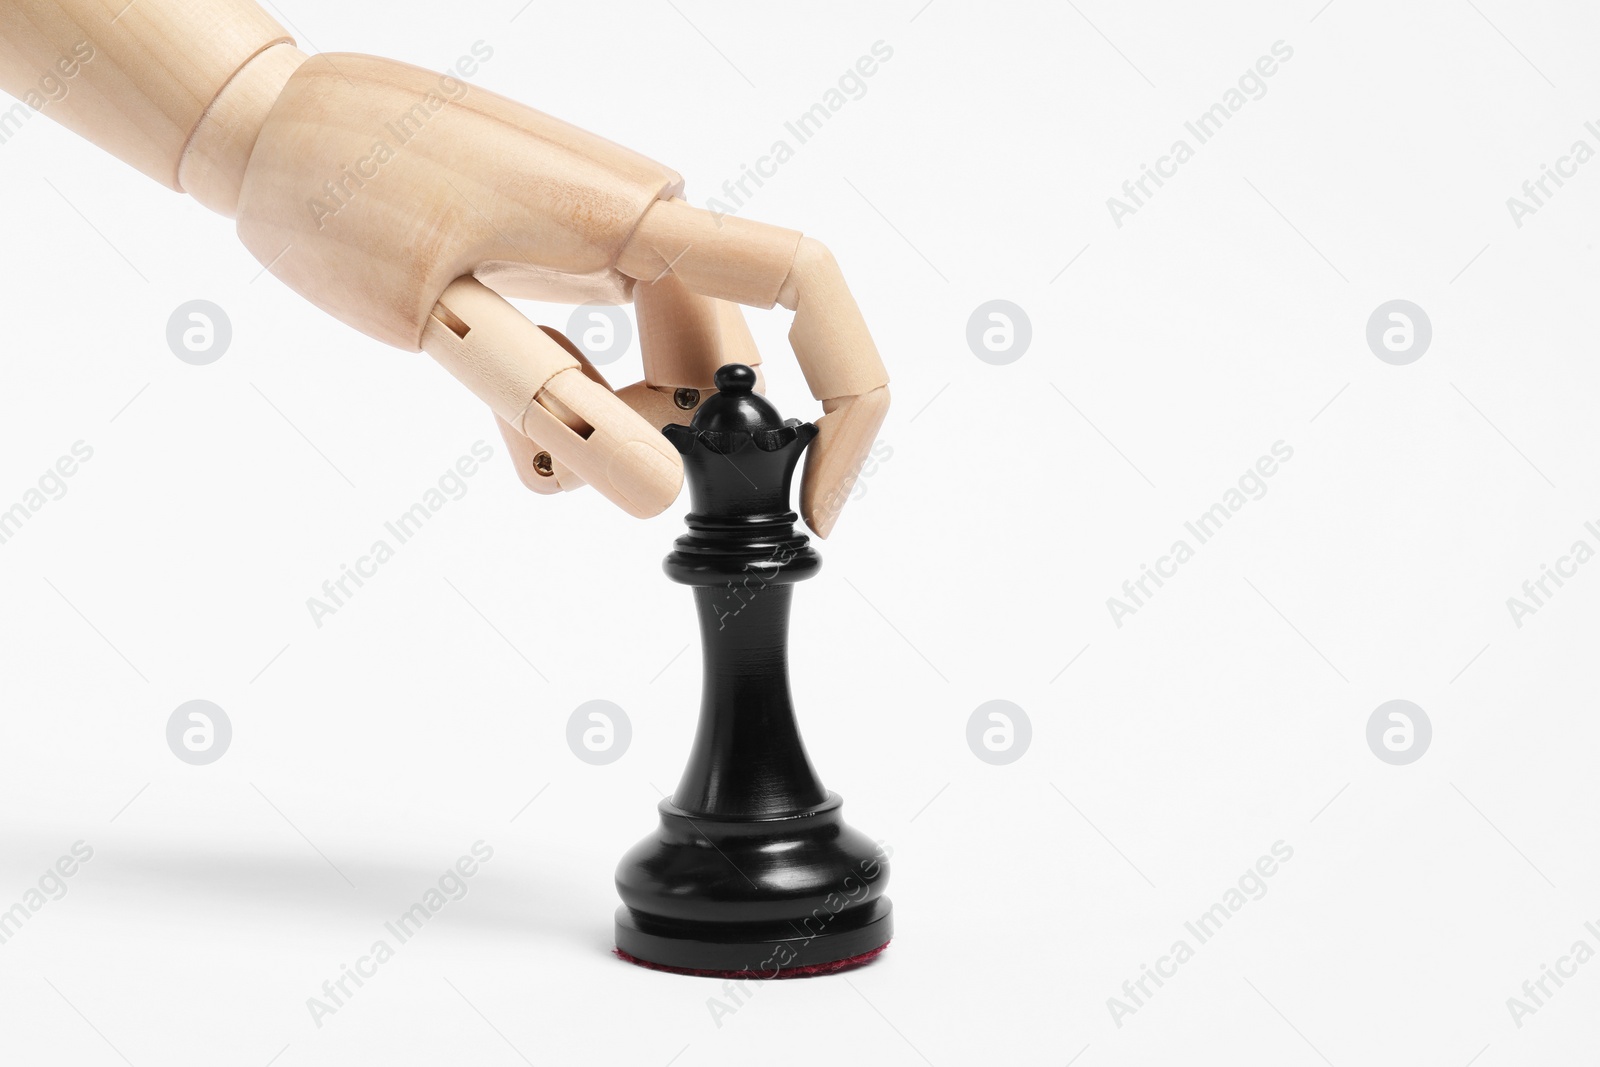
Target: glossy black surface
{"x":753,"y":867}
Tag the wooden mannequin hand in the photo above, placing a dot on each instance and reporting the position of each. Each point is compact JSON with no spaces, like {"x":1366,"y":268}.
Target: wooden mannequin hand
{"x":410,"y":204}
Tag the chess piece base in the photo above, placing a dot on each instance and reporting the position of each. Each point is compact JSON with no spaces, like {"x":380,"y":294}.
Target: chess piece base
{"x":809,"y":971}
{"x":757,"y":898}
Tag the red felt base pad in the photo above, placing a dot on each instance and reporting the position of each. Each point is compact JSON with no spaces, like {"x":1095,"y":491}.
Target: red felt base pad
{"x":809,"y":971}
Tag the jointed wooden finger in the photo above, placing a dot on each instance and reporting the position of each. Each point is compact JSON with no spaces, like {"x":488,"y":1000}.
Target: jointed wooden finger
{"x":829,"y":334}
{"x":536,"y":385}
{"x":686,"y":336}
{"x":726,"y":257}
{"x":535,"y":466}
{"x":845,"y":435}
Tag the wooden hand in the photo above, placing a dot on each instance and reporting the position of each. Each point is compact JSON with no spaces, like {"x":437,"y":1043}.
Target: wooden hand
{"x":410,"y":204}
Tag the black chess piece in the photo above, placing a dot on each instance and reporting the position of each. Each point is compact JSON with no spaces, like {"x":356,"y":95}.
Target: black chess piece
{"x":753,"y":871}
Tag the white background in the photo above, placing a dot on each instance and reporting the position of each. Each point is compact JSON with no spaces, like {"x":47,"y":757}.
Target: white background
{"x":1230,"y":713}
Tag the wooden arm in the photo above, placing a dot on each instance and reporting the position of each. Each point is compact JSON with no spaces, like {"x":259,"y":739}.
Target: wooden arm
{"x":153,"y":68}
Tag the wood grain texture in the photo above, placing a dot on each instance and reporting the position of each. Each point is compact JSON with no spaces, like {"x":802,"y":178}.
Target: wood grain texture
{"x":213,"y":165}
{"x":375,"y":184}
{"x":154,"y":67}
{"x":685,"y":337}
